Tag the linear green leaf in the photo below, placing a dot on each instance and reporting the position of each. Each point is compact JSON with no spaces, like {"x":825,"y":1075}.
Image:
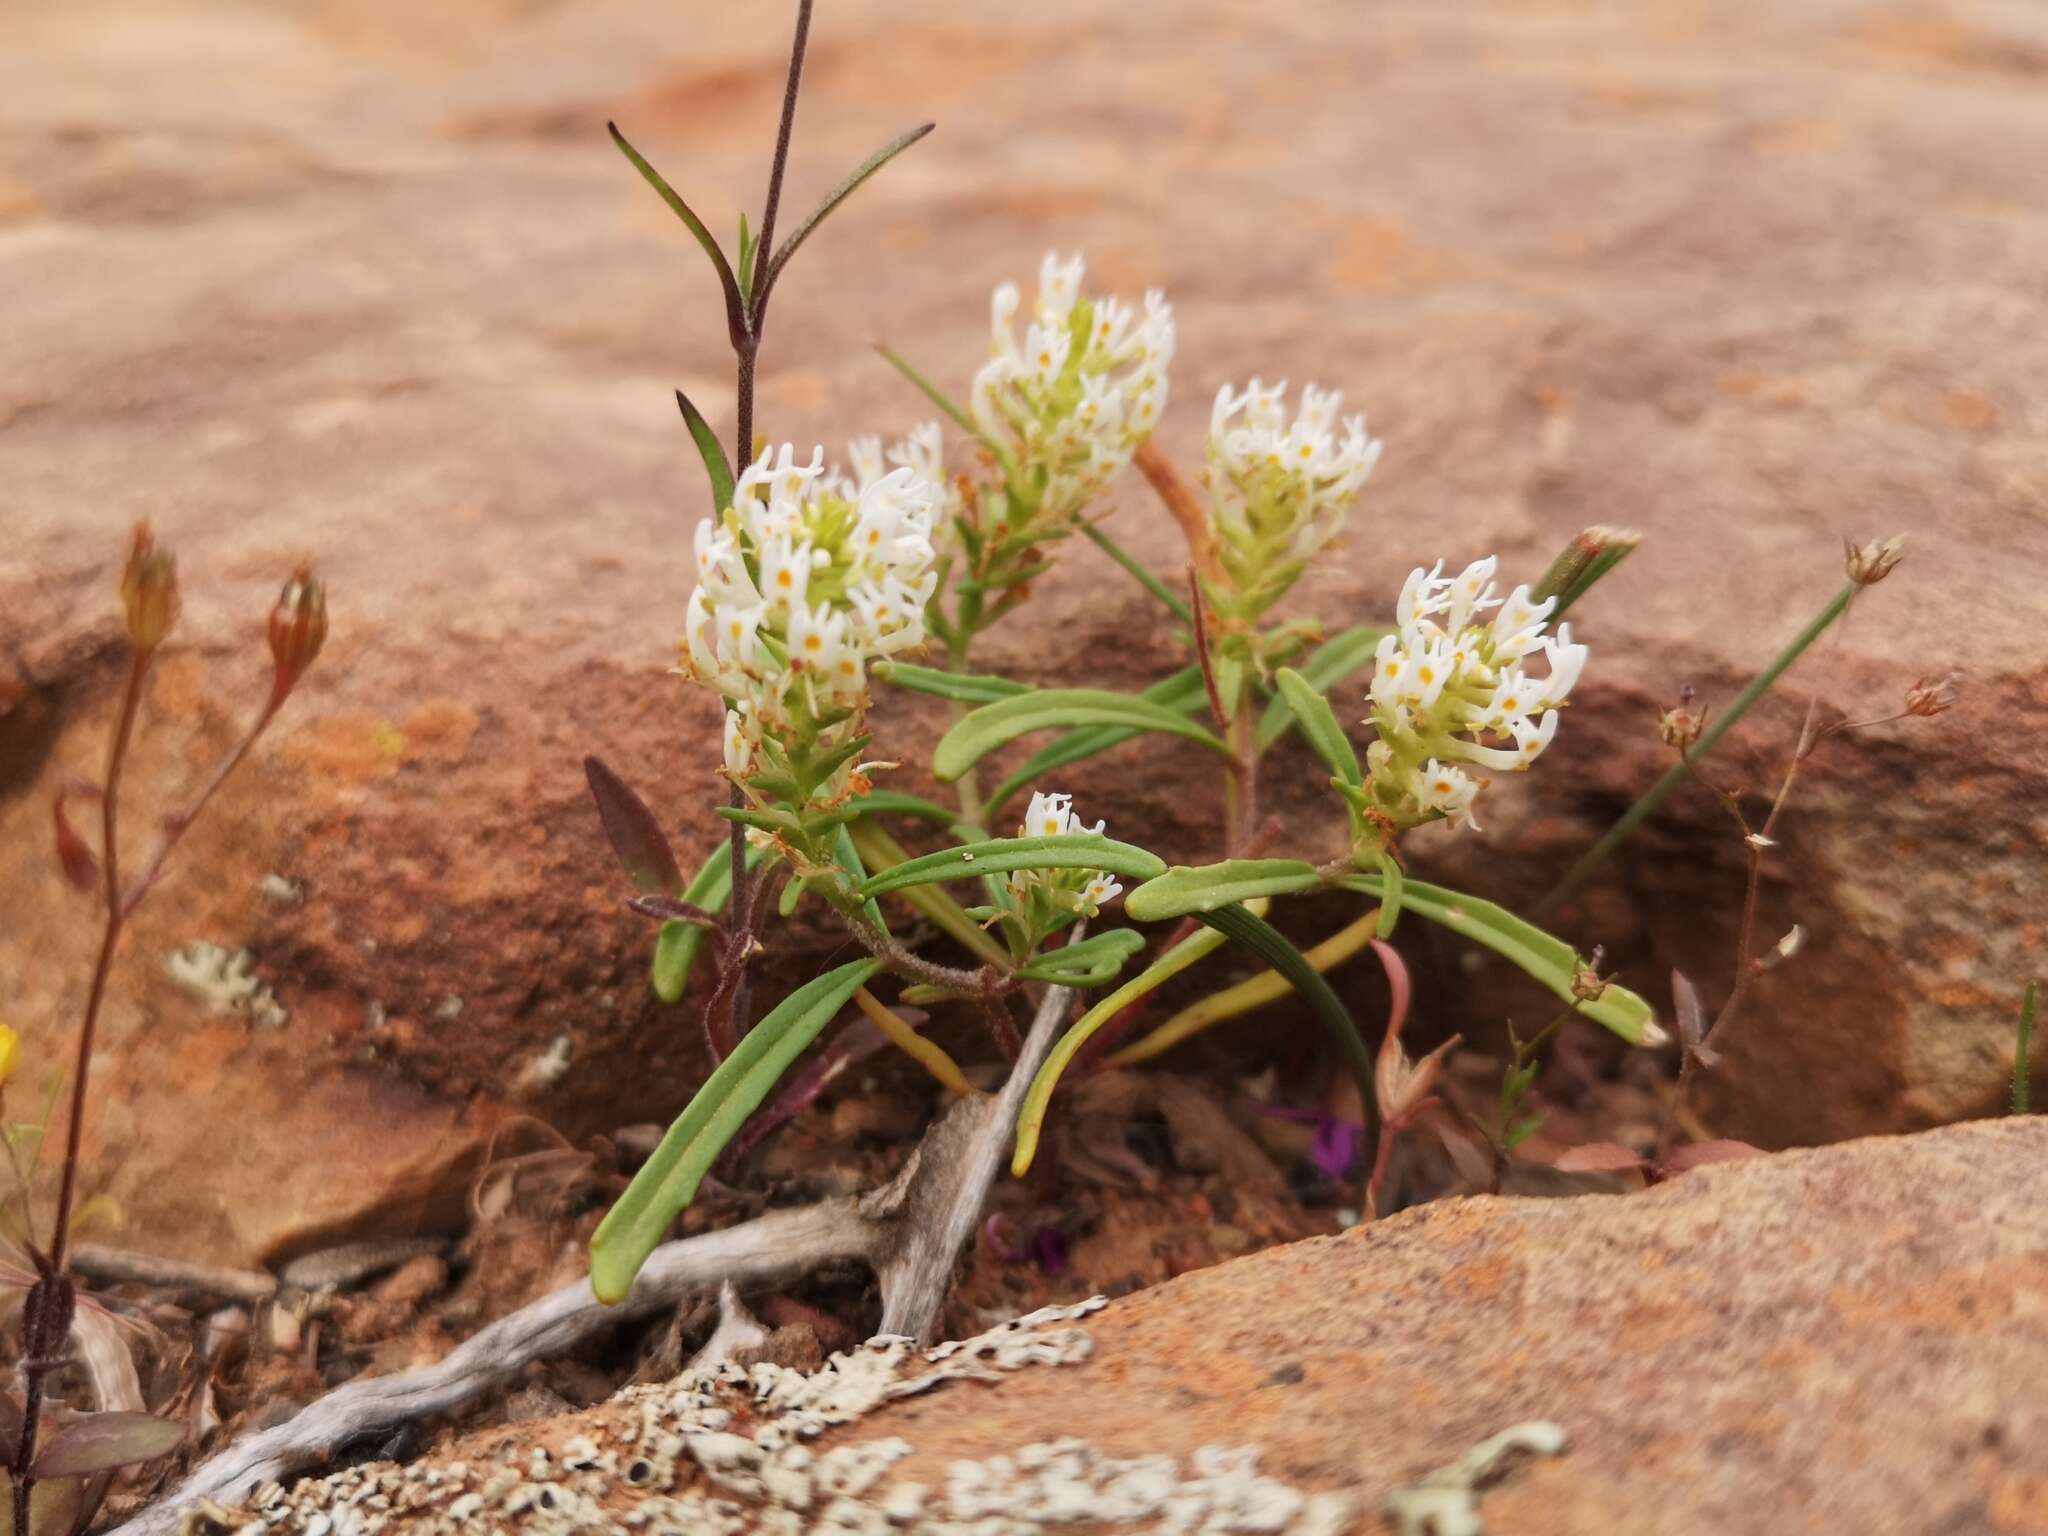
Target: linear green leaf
{"x":993,"y":725}
{"x":1001,"y":855}
{"x":1089,"y":963}
{"x":1204,"y":888}
{"x":668,"y":1182}
{"x":1681,"y":770}
{"x":833,"y":199}
{"x":967,"y":687}
{"x":716,"y":466}
{"x":1544,"y":956}
{"x":933,"y":393}
{"x":677,"y":946}
{"x":1318,"y":725}
{"x":735,"y":307}
{"x":1181,"y":692}
{"x":1325,"y":667}
{"x":1144,"y":578}
{"x":1031,"y":1117}
{"x":890,"y":802}
{"x":1245,"y":927}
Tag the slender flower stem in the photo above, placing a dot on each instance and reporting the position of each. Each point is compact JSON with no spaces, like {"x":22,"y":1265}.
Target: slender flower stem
{"x":39,"y":1353}
{"x":1655,"y":796}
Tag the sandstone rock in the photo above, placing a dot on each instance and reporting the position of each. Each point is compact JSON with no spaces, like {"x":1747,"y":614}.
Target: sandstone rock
{"x":1843,"y":1339}
{"x":365,"y":282}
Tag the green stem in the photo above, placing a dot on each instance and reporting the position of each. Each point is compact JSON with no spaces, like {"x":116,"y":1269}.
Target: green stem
{"x":1616,"y":835}
{"x":1143,"y":577}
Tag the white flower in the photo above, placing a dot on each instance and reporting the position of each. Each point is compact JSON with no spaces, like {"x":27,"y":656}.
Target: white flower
{"x":1072,"y":403}
{"x":1279,"y":489}
{"x":1450,"y":679}
{"x":1067,"y":891}
{"x":1099,"y":892}
{"x":844,"y":569}
{"x":1053,"y":816}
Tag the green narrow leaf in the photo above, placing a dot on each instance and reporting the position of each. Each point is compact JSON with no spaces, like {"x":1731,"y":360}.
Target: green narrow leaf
{"x":1679,"y":771}
{"x":746,"y":261}
{"x":889,"y":802}
{"x":967,"y":687}
{"x":1031,"y":1115}
{"x":1325,"y":667}
{"x":666,"y":1185}
{"x":1204,"y":888}
{"x":1392,"y":883}
{"x":850,"y":861}
{"x":677,"y":946}
{"x":1002,"y":855}
{"x":880,"y":850}
{"x":942,"y":400}
{"x":735,"y":307}
{"x":2023,"y":1054}
{"x":1267,"y":942}
{"x":1092,"y":962}
{"x":1318,"y":725}
{"x":716,"y":467}
{"x":993,"y":725}
{"x":1139,"y":573}
{"x":1544,"y":956}
{"x":835,"y":197}
{"x":1182,"y":692}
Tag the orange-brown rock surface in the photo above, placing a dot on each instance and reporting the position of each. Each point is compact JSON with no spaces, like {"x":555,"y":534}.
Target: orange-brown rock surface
{"x":1845,"y":1339}
{"x":365,"y":282}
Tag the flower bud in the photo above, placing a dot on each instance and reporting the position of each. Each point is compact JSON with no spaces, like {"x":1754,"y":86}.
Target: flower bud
{"x":1590,"y":556}
{"x":149,"y":591}
{"x":298,"y":628}
{"x":1868,"y":564}
{"x":1933,"y":696}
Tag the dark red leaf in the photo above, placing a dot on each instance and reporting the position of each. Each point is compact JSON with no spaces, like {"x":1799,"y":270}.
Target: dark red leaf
{"x":102,"y":1442}
{"x":636,"y":837}
{"x":1598,"y":1157}
{"x":80,"y":864}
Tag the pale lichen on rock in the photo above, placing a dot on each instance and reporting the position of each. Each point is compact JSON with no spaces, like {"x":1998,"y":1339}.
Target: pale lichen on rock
{"x":732,"y":1449}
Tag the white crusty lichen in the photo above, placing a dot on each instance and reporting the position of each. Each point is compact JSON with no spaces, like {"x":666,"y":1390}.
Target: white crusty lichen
{"x":737,"y":1450}
{"x":1446,"y":1503}
{"x":226,"y":981}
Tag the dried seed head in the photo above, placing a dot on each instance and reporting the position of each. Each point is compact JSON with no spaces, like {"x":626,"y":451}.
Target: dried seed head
{"x":1868,"y":564}
{"x":1680,"y":727}
{"x":298,"y":628}
{"x":149,"y":591}
{"x":1933,"y":696}
{"x":1588,"y":986}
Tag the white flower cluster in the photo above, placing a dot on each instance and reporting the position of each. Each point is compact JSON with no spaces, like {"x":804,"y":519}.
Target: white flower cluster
{"x":1450,"y":677}
{"x":1085,"y":388}
{"x":1082,"y":890}
{"x":1280,"y":489}
{"x":807,"y":576}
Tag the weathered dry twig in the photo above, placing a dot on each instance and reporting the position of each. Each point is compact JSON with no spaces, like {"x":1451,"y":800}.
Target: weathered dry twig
{"x":968,"y":1145}
{"x":781,"y":1245}
{"x":911,"y":1232}
{"x":113,"y":1266}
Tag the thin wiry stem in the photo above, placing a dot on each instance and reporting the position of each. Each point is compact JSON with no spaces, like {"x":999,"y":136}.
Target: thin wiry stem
{"x":766,"y":246}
